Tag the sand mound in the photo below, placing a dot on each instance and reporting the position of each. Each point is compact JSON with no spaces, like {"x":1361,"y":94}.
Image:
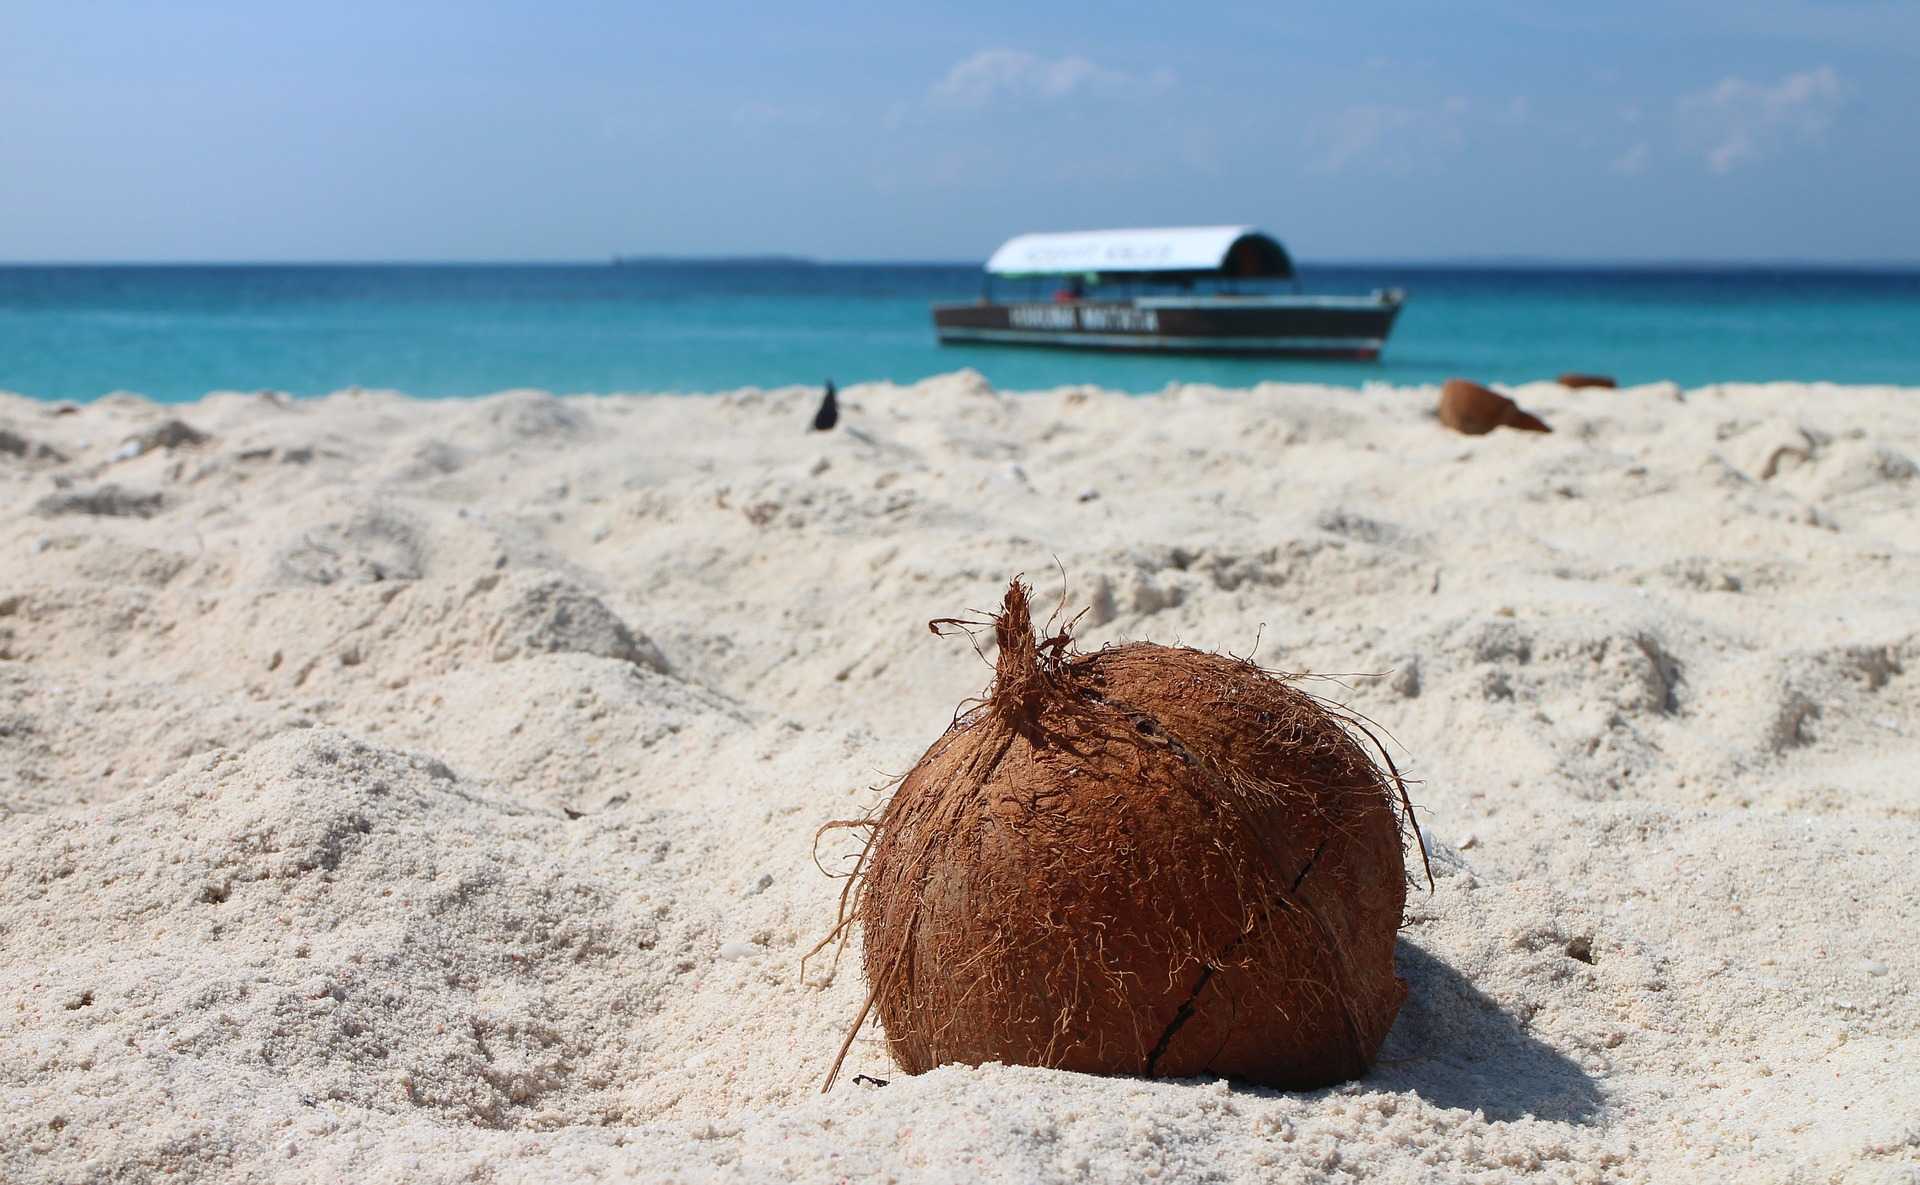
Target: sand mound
{"x":392,"y":633}
{"x":379,"y":543}
{"x":528,"y":417}
{"x":320,"y":916}
{"x":16,"y":446}
{"x":592,"y":733}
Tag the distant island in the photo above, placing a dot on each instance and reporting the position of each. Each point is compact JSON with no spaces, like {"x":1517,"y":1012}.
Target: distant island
{"x":714,"y":261}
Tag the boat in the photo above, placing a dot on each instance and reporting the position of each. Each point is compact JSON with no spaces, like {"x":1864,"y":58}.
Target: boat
{"x":1177,"y":290}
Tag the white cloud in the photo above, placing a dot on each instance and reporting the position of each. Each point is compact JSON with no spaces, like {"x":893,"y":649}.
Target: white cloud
{"x":1366,"y":132}
{"x":1398,"y":139}
{"x":996,"y":75}
{"x":1736,"y":122}
{"x":1633,"y":161}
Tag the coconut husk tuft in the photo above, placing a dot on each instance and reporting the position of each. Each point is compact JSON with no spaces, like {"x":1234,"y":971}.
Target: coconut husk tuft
{"x":1028,"y":671}
{"x":1143,"y":860}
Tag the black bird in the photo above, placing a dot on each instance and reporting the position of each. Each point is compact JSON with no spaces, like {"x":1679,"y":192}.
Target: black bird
{"x":829,"y":413}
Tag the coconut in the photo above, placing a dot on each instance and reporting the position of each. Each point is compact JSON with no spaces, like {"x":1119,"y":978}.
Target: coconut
{"x":1144,"y":860}
{"x":1473,"y":410}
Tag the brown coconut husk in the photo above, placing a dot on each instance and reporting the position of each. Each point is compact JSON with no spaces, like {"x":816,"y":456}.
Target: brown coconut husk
{"x":1575,"y":380}
{"x":1473,"y":410}
{"x":1145,"y":860}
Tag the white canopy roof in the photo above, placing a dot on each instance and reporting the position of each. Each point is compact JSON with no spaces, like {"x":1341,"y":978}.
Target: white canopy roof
{"x":1166,"y":249}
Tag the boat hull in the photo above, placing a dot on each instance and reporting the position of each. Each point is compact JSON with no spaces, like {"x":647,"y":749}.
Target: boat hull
{"x":1312,"y":327}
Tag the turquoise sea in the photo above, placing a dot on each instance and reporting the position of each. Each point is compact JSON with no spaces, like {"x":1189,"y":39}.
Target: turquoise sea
{"x":176,"y":332}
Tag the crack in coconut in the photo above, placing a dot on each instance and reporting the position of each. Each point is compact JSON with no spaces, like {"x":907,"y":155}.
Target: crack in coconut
{"x":1099,"y":843}
{"x":1186,"y":1009}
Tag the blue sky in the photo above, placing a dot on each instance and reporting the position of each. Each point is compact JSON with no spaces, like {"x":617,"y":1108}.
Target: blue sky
{"x":347,"y":130}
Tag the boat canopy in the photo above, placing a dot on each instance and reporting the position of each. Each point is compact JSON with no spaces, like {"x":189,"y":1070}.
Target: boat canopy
{"x":1237,"y":251}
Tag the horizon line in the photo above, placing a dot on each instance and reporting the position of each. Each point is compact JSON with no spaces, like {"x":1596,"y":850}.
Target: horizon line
{"x":1518,"y":262}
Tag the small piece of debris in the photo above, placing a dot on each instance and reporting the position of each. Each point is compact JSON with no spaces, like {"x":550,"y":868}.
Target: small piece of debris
{"x":740,"y":950}
{"x":829,"y":413}
{"x":1575,"y":380}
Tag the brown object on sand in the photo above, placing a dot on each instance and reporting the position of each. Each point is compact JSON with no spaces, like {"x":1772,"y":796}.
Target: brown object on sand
{"x":1575,"y":380}
{"x":1145,"y":860}
{"x":1472,"y":409}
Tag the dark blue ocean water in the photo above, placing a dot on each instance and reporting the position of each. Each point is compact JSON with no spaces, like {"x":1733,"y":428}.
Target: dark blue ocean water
{"x":175,"y":333}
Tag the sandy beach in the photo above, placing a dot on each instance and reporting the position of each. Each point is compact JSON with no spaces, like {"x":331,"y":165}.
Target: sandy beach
{"x":408,"y":790}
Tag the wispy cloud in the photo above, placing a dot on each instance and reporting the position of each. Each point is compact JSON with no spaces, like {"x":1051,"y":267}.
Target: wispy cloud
{"x":1633,"y":161}
{"x":994,"y":76}
{"x":1359,"y":133}
{"x":1393,"y":138}
{"x":1737,"y":122}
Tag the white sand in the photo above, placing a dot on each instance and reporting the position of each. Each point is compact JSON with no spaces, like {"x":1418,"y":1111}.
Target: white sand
{"x":290,"y":890}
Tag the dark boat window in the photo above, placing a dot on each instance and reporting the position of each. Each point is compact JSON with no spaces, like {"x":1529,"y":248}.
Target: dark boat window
{"x":1253,"y":265}
{"x":1132,"y":285}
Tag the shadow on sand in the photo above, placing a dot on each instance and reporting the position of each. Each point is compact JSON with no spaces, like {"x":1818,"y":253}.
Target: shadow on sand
{"x":1454,"y":1047}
